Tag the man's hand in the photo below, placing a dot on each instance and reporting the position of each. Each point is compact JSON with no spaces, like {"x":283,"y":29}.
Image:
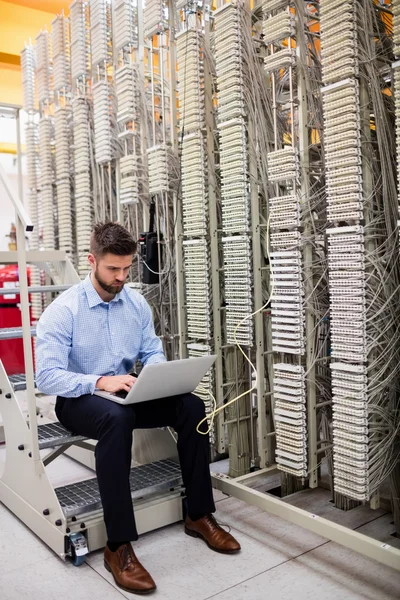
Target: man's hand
{"x":115,"y":383}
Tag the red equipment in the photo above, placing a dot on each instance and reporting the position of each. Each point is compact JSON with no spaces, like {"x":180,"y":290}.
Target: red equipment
{"x":11,"y":350}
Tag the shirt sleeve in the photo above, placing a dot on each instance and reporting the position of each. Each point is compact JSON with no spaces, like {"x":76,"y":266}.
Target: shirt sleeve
{"x":53,"y":346}
{"x":151,"y":350}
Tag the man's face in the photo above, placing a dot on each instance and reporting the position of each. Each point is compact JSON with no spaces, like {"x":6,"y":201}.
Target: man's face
{"x":111,"y":271}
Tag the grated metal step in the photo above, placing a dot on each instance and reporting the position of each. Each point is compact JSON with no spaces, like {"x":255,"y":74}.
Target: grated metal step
{"x":84,"y":497}
{"x":18,"y":381}
{"x":54,"y":434}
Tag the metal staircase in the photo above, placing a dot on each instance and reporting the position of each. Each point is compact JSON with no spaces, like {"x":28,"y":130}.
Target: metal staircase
{"x":69,"y":519}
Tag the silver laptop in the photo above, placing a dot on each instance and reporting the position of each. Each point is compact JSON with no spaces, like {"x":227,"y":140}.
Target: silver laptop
{"x":163,"y":380}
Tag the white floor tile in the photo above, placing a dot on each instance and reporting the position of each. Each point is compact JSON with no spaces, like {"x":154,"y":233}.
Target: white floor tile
{"x":185,"y":568}
{"x":330,"y":572}
{"x":52,"y":579}
{"x":19,"y":547}
{"x":276,"y":534}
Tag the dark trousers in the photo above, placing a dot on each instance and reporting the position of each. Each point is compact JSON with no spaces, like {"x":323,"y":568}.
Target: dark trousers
{"x":112,"y":425}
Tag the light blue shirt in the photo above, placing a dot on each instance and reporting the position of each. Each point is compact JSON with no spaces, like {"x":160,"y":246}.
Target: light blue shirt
{"x":81,"y":338}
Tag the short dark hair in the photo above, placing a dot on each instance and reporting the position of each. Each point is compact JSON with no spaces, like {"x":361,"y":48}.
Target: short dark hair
{"x":113,"y":238}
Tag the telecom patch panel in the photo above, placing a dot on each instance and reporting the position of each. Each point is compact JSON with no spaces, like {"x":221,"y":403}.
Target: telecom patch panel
{"x":62,"y":129}
{"x":125,"y":24}
{"x":31,"y":142}
{"x":228,"y":61}
{"x":347,"y":298}
{"x":350,"y":433}
{"x":129,"y":182}
{"x":396,"y":94}
{"x":161,"y":163}
{"x":63,"y":164}
{"x":271,"y":6}
{"x":154,"y":17}
{"x":127,"y":91}
{"x":102,"y":121}
{"x":343,"y":151}
{"x":290,"y":418}
{"x":194,"y":185}
{"x":278,"y":28}
{"x":235,"y":188}
{"x":64,"y":201}
{"x":28,"y":77}
{"x":79,"y":40}
{"x":346,"y":255}
{"x":338,"y":40}
{"x":284,"y":212}
{"x":43,"y":66}
{"x":238,"y":289}
{"x":100,"y":32}
{"x":45,"y":150}
{"x":283,"y":165}
{"x":60,"y":44}
{"x":287,"y":302}
{"x":190,"y":68}
{"x":234,"y":175}
{"x":83,"y":192}
{"x":396,"y":27}
{"x":198,"y":310}
{"x":282,"y":59}
{"x":347,"y":289}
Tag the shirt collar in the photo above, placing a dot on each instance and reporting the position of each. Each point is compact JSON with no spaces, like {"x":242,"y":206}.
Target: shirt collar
{"x":93,"y":296}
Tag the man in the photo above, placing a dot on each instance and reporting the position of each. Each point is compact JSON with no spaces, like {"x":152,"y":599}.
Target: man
{"x":90,"y":337}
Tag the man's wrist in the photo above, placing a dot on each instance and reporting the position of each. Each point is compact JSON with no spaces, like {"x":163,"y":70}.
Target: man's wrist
{"x":99,"y":382}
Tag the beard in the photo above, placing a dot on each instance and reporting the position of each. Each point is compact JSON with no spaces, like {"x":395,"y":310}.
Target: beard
{"x":110,"y":289}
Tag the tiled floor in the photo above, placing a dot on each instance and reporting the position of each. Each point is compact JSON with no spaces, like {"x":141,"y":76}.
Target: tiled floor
{"x":278,"y":561}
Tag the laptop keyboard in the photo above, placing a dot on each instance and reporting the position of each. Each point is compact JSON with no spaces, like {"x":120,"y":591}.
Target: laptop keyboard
{"x":121,"y":394}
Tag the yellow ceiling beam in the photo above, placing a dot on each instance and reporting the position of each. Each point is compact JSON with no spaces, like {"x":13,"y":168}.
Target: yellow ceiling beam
{"x":8,"y":148}
{"x":18,"y":24}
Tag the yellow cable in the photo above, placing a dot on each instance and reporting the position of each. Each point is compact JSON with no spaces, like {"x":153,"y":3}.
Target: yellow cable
{"x":216,"y":410}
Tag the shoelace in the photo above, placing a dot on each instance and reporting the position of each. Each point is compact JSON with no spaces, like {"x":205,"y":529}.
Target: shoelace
{"x":127,"y":558}
{"x":212,"y":521}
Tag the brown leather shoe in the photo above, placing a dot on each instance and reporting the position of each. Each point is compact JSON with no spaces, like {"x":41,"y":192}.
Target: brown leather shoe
{"x":129,"y":574}
{"x":214,"y":536}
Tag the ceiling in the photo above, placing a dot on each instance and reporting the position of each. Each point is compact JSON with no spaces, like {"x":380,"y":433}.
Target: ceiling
{"x":51,"y":6}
